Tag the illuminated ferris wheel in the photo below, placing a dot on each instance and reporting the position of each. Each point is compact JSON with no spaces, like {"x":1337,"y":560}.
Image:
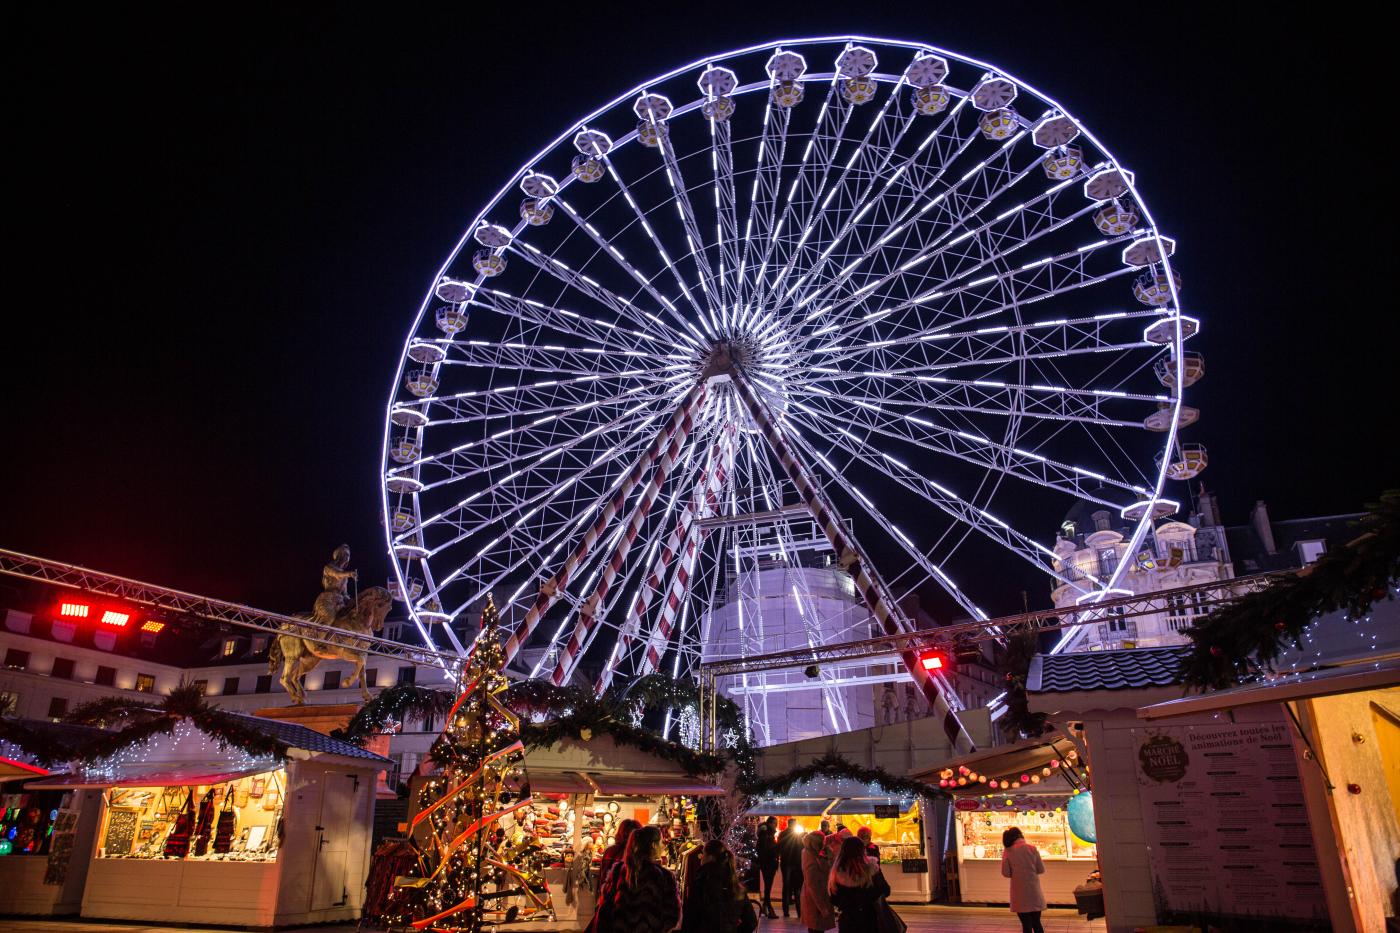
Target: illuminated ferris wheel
{"x":867,"y":288}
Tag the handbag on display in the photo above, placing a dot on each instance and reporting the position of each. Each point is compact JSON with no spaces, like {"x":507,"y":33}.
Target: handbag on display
{"x":204,"y":827}
{"x":223,"y":830}
{"x":177,"y":844}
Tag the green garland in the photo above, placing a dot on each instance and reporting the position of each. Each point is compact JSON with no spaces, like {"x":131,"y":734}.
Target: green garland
{"x":390,"y":708}
{"x":574,"y":712}
{"x":833,"y":765}
{"x":1233,"y":642}
{"x":48,"y":743}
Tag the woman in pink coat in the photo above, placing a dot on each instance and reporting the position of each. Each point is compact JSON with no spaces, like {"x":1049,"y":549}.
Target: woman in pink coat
{"x":1020,"y":861}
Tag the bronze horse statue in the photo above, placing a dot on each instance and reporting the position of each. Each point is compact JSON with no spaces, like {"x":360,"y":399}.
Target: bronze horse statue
{"x":297,"y":655}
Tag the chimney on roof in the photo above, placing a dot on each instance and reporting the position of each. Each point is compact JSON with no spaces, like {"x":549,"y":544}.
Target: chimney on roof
{"x":1259,"y":518}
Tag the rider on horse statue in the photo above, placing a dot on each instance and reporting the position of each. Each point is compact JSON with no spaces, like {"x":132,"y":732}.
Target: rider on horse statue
{"x":334,"y":576}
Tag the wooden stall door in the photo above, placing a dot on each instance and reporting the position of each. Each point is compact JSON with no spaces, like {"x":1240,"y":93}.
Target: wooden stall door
{"x":335,"y":827}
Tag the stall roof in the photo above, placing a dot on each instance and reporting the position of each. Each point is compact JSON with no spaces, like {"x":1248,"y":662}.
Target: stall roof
{"x":310,"y":740}
{"x":549,"y":781}
{"x":1121,"y":669}
{"x":791,"y":806}
{"x":659,"y":783}
{"x":184,"y":776}
{"x":11,"y":769}
{"x":868,"y":804}
{"x":1304,"y":686}
{"x":1026,"y":755}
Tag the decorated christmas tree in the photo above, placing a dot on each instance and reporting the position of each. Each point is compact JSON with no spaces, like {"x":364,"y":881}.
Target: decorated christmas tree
{"x":476,"y":864}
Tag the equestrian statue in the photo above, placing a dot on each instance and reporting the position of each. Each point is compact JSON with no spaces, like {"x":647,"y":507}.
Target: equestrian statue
{"x":298,"y":650}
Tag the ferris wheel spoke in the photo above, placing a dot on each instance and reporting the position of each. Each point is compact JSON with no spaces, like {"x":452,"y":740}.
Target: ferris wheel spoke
{"x":956,"y":203}
{"x":806,"y":186}
{"x":980,"y":520}
{"x":884,"y":205}
{"x":976,"y":449}
{"x":726,"y":216}
{"x":973,"y":301}
{"x":764,"y":194}
{"x":570,"y":323}
{"x":549,"y":396}
{"x":848,"y":196}
{"x":662,"y":255}
{"x":948,"y":258}
{"x":977,"y":397}
{"x":931,"y":569}
{"x":497,"y":356}
{"x":695,"y":239}
{"x":620,"y":306}
{"x":508,"y":446}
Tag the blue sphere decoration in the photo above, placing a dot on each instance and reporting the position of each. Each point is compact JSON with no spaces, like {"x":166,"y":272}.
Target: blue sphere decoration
{"x":1081,"y":816}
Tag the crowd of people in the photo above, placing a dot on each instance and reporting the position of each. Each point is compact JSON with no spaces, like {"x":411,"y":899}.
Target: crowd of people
{"x":830,"y":876}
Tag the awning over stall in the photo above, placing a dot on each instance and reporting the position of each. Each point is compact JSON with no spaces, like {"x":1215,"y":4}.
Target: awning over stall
{"x":868,"y":804}
{"x":1305,"y":686}
{"x":184,"y":776}
{"x":791,"y":806}
{"x":649,"y":785}
{"x":11,"y":769}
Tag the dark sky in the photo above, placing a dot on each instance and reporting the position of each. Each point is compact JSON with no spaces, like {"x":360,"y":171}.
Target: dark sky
{"x":221,"y":227}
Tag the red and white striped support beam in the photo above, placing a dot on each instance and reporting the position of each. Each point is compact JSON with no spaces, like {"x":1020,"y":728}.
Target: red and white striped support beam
{"x":551,"y":588}
{"x":588,"y":614}
{"x":853,"y":559}
{"x":683,"y":539}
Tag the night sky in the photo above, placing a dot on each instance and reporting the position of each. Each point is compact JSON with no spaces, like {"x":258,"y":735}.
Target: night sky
{"x":220,"y":231}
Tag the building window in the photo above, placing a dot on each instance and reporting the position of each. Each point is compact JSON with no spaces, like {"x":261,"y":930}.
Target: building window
{"x":17,"y":660}
{"x":371,"y":677}
{"x":9,"y":703}
{"x":106,"y":676}
{"x":264,"y":684}
{"x":62,"y":668}
{"x":330,"y":680}
{"x":145,"y":683}
{"x":230,"y":686}
{"x":408,"y":675}
{"x":1309,"y":551}
{"x":1102,"y":521}
{"x":230,"y":645}
{"x":202,"y":686}
{"x":58,"y":707}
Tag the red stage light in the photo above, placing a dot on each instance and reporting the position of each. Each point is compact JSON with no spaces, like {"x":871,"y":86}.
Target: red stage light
{"x":116,"y":619}
{"x":152,"y":626}
{"x":74,"y":610}
{"x":931,"y":662}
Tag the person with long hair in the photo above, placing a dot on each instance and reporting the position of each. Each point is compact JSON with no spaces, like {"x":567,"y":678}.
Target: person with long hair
{"x":856,"y":886}
{"x":612,"y":855}
{"x":641,"y":895}
{"x":814,"y":907}
{"x":1020,"y":861}
{"x":716,"y":898}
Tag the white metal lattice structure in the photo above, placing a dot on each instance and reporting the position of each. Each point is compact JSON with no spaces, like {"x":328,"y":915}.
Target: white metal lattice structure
{"x":949,"y":304}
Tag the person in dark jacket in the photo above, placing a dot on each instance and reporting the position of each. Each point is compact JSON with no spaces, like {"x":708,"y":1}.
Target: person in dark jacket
{"x":856,"y":886}
{"x":640,"y":895}
{"x":715,"y":898}
{"x":790,"y":862}
{"x":768,"y":862}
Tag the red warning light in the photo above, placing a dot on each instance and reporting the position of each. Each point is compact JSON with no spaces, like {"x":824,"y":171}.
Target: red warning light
{"x":115,"y":619}
{"x":931,"y":661}
{"x":74,"y":610}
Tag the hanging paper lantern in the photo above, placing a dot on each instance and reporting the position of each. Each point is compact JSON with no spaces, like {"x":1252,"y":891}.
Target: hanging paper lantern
{"x":1054,"y":762}
{"x":1025,"y":778}
{"x":1081,"y":817}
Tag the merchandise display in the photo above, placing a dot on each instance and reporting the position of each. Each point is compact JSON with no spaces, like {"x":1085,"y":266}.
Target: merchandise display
{"x":979,"y":833}
{"x":236,"y":820}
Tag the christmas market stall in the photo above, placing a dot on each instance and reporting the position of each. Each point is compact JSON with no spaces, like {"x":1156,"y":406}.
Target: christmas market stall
{"x":252,"y":821}
{"x":45,"y":835}
{"x":1317,"y":756}
{"x":1031,"y":785}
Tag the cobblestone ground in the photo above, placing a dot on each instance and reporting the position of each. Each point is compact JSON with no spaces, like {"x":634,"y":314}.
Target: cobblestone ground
{"x":920,"y":920}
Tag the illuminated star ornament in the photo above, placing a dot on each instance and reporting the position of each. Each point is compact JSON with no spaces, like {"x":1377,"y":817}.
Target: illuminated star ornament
{"x":476,"y":865}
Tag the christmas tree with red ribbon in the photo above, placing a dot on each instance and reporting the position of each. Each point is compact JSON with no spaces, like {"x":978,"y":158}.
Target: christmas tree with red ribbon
{"x":476,"y":864}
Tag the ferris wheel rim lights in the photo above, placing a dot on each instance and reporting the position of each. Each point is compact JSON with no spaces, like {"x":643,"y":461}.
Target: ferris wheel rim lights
{"x":1059,"y":128}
